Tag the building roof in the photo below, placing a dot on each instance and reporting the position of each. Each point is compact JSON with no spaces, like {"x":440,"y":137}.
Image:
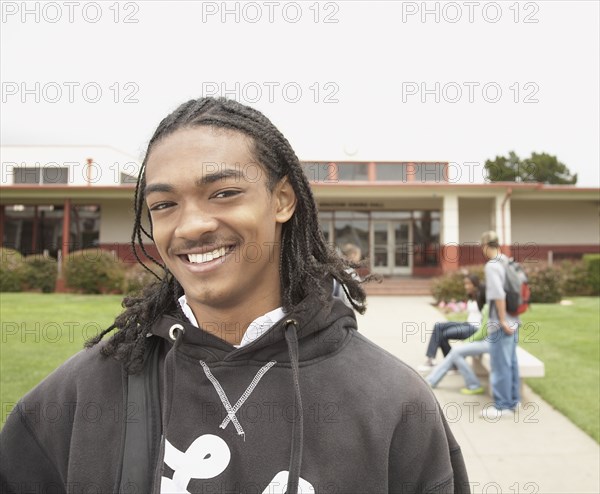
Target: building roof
{"x":98,"y":172}
{"x":95,"y":165}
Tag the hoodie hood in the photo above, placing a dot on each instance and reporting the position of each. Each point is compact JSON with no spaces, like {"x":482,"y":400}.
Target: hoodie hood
{"x":321,"y":330}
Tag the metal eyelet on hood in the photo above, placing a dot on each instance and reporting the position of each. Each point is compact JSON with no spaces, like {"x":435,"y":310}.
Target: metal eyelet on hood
{"x":173,"y":328}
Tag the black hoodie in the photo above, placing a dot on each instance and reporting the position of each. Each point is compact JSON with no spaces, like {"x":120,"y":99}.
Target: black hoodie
{"x":311,"y":403}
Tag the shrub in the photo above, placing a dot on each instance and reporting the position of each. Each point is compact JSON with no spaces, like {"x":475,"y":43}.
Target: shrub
{"x":448,"y":287}
{"x":11,"y":270}
{"x":574,"y":276}
{"x":137,"y":278}
{"x":478,"y":270}
{"x":548,"y":283}
{"x":40,"y":273}
{"x":451,"y":286}
{"x":545,"y":283}
{"x":94,"y":271}
{"x":592,"y":262}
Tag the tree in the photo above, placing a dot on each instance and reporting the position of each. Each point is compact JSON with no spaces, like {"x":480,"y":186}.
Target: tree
{"x":540,"y":167}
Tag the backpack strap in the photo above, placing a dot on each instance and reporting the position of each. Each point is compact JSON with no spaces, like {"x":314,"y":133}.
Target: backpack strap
{"x":142,"y":424}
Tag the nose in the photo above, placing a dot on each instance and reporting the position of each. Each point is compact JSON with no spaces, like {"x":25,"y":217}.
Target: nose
{"x":194,"y":222}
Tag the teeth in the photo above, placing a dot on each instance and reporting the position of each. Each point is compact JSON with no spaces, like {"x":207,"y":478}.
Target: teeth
{"x":206,"y":257}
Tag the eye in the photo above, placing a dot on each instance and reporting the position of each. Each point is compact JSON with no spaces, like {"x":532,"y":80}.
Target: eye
{"x":160,"y":206}
{"x":222,"y":194}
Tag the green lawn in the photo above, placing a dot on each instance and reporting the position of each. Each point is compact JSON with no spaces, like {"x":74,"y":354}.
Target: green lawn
{"x":566,"y":339}
{"x":40,"y":331}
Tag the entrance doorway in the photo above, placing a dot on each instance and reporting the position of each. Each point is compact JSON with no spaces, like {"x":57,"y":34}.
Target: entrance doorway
{"x":392,"y":247}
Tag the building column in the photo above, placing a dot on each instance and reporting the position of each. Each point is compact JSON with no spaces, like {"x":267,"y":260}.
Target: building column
{"x":61,"y":285}
{"x":503,"y":224}
{"x":449,"y":251}
{"x":34,"y":230}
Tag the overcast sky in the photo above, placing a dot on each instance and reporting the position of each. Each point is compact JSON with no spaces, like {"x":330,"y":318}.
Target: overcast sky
{"x":396,"y":81}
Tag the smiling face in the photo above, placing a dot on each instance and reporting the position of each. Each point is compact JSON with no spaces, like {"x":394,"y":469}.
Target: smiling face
{"x":215,"y":223}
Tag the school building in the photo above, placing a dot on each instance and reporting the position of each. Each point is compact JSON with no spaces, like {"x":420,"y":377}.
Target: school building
{"x":410,"y":219}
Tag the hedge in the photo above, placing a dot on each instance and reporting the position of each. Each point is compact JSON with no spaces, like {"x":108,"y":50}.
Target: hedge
{"x":592,"y":262}
{"x":451,"y":286}
{"x":12,"y":270}
{"x":85,"y":271}
{"x":548,"y":283}
{"x":40,"y":273}
{"x":545,"y":283}
{"x":136,"y":278}
{"x":94,"y":271}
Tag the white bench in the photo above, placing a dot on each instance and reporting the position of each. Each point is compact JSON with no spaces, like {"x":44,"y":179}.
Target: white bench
{"x":529,"y":365}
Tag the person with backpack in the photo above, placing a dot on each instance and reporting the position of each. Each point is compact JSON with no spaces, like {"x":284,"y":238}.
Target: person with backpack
{"x":503,"y":332}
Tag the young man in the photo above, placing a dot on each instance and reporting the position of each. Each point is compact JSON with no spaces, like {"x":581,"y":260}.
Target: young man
{"x":237,"y":371}
{"x":503,"y":333}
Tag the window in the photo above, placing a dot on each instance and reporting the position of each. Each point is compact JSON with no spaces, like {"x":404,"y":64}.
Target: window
{"x":352,"y":227}
{"x":128,"y":179}
{"x":353,"y":171}
{"x":391,"y":172}
{"x":36,"y":229}
{"x":426,"y":238}
{"x":320,"y":172}
{"x":27,"y":175}
{"x":429,"y":172}
{"x":36,"y":175}
{"x":55,"y":175}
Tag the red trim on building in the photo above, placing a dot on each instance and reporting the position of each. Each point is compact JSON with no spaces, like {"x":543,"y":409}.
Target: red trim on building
{"x":125,"y":253}
{"x":427,"y":271}
{"x":449,"y":258}
{"x":471,"y":254}
{"x":371,"y":171}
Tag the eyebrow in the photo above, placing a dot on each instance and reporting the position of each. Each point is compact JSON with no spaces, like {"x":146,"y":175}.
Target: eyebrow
{"x":209,"y":178}
{"x":149,"y":189}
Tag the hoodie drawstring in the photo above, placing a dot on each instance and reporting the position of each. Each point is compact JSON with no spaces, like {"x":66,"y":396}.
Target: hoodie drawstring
{"x":291,"y":338}
{"x":176,"y":332}
{"x":232,"y":410}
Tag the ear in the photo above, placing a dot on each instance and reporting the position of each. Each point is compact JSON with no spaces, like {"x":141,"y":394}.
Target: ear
{"x":285,"y":200}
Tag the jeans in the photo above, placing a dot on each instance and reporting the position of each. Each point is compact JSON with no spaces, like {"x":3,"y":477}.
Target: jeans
{"x":444,"y":331}
{"x":456,"y":357}
{"x":505,"y":369}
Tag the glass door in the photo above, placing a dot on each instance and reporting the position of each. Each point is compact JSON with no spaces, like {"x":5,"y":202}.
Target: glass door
{"x":392,"y":253}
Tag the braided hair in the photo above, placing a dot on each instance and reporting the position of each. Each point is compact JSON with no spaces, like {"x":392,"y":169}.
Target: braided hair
{"x":306,"y":260}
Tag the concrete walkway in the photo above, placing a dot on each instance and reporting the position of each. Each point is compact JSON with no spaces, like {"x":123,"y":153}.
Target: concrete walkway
{"x":539,"y":451}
